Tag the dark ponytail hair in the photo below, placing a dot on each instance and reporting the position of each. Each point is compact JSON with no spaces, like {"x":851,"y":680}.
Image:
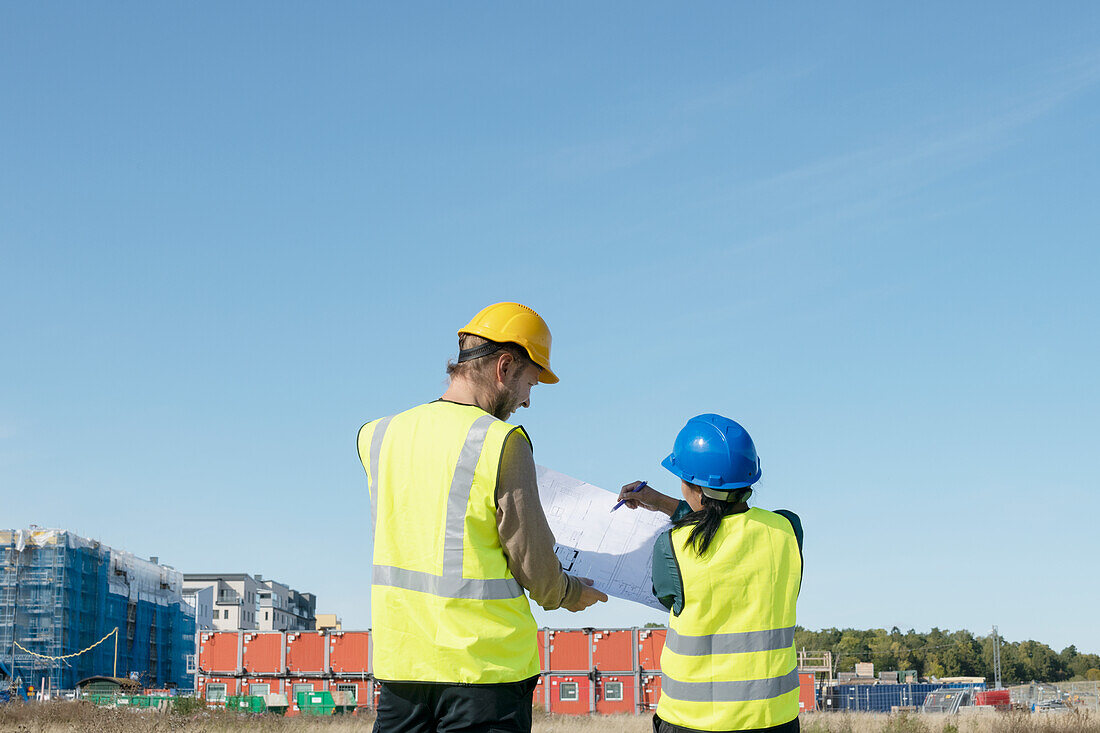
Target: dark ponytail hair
{"x":707,"y":520}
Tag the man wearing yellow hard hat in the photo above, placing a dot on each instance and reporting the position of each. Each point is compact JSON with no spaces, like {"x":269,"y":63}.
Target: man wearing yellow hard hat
{"x":459,"y":533}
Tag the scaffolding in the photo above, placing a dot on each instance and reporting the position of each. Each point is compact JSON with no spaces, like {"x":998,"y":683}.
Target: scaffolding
{"x":59,"y":593}
{"x":818,"y":662}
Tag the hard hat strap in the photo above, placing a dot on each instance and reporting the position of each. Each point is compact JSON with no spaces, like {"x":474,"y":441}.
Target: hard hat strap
{"x":478,"y":351}
{"x":733,"y":495}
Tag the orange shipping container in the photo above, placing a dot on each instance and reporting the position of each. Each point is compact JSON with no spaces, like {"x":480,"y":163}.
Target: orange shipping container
{"x":219,"y":652}
{"x":806,"y":695}
{"x":651,"y":642}
{"x":569,"y":694}
{"x":215,"y":689}
{"x":615,"y":694}
{"x":305,"y":653}
{"x":651,"y":691}
{"x":613,"y":650}
{"x":349,"y":651}
{"x":295,"y":685}
{"x":568,"y":651}
{"x":360,"y":687}
{"x":542,"y":648}
{"x":261,"y":686}
{"x":540,"y":693}
{"x":262,"y":652}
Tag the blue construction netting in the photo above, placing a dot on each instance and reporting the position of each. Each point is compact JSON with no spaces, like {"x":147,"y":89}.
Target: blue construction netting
{"x":60,"y":593}
{"x":881,"y":698}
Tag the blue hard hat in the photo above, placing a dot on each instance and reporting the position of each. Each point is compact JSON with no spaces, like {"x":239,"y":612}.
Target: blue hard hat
{"x":715,"y":452}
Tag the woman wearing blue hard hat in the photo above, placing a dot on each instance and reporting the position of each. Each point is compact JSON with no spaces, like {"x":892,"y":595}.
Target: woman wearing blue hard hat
{"x":730,"y":575}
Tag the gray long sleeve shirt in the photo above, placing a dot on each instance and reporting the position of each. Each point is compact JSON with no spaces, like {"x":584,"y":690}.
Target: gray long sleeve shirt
{"x":524,"y":532}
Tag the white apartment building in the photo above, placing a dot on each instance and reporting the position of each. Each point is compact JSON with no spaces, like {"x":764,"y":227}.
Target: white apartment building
{"x":201,"y":598}
{"x":246,"y":603}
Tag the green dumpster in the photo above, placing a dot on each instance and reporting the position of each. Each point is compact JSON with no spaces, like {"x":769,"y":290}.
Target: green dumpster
{"x":326,"y":703}
{"x":316,"y":703}
{"x":122,"y":701}
{"x":140,"y":701}
{"x":246,"y":703}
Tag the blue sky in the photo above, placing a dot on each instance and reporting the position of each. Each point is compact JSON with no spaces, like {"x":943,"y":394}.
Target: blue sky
{"x":231,"y":235}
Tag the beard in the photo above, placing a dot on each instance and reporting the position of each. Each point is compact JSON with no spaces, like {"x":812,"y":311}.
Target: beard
{"x":505,"y":403}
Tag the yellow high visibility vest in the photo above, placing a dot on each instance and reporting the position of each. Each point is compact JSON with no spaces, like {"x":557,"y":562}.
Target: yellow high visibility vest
{"x":729,"y":659}
{"x":444,"y":606}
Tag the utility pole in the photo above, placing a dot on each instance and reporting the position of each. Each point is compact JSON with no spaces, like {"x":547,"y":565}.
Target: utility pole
{"x":996,"y":658}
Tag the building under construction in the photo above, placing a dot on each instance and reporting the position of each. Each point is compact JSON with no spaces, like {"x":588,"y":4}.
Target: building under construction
{"x":60,"y":594}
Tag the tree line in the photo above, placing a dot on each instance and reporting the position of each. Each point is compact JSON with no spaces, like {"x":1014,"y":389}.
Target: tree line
{"x":949,"y":654}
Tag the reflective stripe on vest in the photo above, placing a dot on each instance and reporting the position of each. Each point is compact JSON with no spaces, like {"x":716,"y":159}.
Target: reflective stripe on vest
{"x":736,"y":691}
{"x":739,"y":643}
{"x":729,"y":660}
{"x":450,"y":584}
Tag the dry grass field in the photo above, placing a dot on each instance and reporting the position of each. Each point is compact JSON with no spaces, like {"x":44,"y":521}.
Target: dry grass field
{"x":63,"y":717}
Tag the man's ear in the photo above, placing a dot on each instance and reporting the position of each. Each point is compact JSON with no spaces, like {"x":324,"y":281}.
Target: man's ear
{"x":506,"y":364}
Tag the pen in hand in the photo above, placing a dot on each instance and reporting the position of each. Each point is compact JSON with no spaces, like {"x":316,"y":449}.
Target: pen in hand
{"x":639,"y":487}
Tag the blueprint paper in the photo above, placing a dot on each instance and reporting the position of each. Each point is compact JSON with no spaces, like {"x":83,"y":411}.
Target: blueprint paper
{"x":614,"y":549}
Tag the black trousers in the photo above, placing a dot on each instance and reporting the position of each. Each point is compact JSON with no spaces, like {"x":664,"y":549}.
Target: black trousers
{"x":663,"y":726}
{"x":429,"y":707}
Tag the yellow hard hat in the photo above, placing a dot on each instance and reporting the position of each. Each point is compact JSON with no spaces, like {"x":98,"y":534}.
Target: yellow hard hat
{"x":504,"y":322}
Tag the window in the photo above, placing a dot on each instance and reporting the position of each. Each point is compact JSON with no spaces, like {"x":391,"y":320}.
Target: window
{"x":299,"y":687}
{"x":265,"y":615}
{"x":568,"y":692}
{"x":190,"y":659}
{"x":257,"y":689}
{"x":612,"y":691}
{"x":215,"y":692}
{"x":353,"y":689}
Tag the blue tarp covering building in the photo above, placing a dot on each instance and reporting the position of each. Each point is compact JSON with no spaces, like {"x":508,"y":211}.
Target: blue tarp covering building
{"x":61,"y":593}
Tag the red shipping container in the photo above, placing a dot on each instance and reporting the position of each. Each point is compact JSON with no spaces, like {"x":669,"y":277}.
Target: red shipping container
{"x":568,"y":651}
{"x":996,"y":698}
{"x":359,"y":686}
{"x":223,"y":688}
{"x":305,"y":653}
{"x":255,"y":685}
{"x":569,"y":694}
{"x":651,"y":691}
{"x":349,"y":652}
{"x":615,"y":694}
{"x":219,"y":652}
{"x":613,"y":650}
{"x":540,"y":693}
{"x":651,"y":642}
{"x":262,"y":652}
{"x":806,"y":692}
{"x":295,"y":685}
{"x":541,"y":636}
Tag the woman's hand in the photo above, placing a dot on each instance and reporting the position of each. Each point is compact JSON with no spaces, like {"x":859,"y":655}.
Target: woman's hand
{"x":647,"y":498}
